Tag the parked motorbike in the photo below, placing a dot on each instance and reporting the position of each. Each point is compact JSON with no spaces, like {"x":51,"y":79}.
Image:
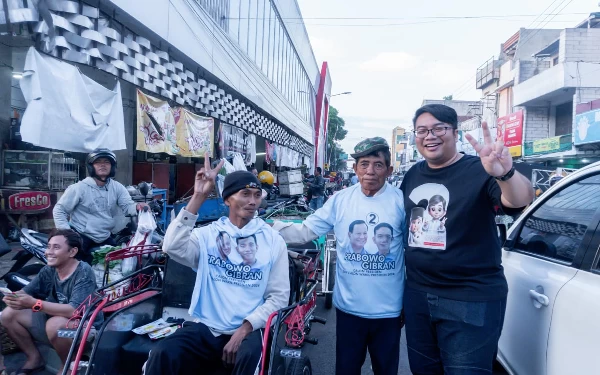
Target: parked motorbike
{"x":20,"y":273}
{"x":34,"y":244}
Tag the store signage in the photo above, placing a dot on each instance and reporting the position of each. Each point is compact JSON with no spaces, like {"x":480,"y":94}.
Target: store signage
{"x":587,"y":127}
{"x":549,"y":145}
{"x":546,"y":145}
{"x":29,"y":201}
{"x":515,"y":151}
{"x":510,"y":129}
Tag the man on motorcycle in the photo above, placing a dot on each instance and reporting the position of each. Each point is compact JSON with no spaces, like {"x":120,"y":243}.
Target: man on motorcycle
{"x":233,"y":299}
{"x":44,"y":306}
{"x":91,"y":205}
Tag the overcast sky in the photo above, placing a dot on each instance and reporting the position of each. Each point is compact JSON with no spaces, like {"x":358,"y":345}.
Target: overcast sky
{"x":414,"y":53}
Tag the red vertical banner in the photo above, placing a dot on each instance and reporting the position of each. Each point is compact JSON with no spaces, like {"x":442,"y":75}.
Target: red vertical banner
{"x":510,"y":130}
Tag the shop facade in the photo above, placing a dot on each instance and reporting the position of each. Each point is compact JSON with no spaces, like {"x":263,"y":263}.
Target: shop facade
{"x":257,"y":102}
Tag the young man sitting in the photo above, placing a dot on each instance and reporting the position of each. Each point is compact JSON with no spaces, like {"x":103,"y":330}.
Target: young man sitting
{"x":232,"y":298}
{"x":44,"y":306}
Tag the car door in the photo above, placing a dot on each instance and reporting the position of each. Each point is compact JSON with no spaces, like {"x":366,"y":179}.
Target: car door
{"x":545,"y":248}
{"x":574,"y":340}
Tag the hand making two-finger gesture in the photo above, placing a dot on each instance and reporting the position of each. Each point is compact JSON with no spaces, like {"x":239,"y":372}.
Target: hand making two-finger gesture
{"x":205,"y":177}
{"x":495,"y":157}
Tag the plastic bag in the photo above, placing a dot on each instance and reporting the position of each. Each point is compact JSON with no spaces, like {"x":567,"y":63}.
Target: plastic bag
{"x":146,"y":225}
{"x":228,"y":167}
{"x":238,"y":162}
{"x":129,"y":265}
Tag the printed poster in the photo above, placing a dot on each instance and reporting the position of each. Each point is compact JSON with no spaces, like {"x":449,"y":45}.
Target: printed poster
{"x":232,"y":140}
{"x":427,"y":226}
{"x":194,"y":133}
{"x":156,"y":130}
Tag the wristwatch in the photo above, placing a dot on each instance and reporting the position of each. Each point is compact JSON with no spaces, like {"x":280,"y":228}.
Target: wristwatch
{"x":38,"y":306}
{"x":507,"y":176}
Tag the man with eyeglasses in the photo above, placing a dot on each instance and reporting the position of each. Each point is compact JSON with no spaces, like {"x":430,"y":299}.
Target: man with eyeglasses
{"x":368,"y":290}
{"x":455,"y":295}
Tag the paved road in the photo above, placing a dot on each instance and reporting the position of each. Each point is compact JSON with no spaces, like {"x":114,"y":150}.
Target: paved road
{"x":322,"y":356}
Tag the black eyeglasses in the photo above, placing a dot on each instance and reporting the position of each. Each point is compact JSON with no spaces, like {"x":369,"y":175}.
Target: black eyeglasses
{"x":438,"y":131}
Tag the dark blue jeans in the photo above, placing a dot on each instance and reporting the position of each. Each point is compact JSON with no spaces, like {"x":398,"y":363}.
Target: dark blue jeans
{"x":449,"y":337}
{"x":316,"y":202}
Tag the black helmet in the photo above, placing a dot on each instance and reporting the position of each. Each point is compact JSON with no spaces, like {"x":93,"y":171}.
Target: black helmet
{"x":101,"y":153}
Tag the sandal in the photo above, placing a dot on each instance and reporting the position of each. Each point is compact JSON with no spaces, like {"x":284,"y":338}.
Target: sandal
{"x":29,"y":371}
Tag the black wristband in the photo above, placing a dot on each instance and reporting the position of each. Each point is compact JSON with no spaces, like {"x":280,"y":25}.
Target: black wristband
{"x":507,"y":176}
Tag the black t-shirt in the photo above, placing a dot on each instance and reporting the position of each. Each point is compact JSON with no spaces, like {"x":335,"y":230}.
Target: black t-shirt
{"x":452,"y":246}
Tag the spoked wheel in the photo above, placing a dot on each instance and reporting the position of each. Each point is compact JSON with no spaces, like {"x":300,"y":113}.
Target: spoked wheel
{"x":299,"y":366}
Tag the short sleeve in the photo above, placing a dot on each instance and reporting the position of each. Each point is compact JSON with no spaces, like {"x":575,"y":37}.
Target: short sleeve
{"x":84,"y":286}
{"x":36,"y":287}
{"x":323,"y":219}
{"x":495,"y":197}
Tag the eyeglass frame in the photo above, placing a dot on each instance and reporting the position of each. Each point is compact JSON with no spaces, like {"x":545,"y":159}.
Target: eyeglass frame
{"x":436,"y":126}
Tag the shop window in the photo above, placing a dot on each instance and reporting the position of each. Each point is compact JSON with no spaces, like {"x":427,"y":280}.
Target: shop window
{"x":252,"y":28}
{"x":261,"y":32}
{"x":564,"y":119}
{"x":234,"y":21}
{"x":244,"y":25}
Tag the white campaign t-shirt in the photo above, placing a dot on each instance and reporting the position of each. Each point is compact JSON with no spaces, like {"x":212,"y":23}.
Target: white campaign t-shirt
{"x":369,"y":232}
{"x":233,"y":271}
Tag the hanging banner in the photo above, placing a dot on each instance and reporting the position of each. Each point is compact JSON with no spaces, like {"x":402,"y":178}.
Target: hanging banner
{"x":194,"y":133}
{"x":232,"y":140}
{"x":156,"y":131}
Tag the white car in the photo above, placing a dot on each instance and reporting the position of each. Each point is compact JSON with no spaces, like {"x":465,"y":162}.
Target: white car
{"x":551,"y":260}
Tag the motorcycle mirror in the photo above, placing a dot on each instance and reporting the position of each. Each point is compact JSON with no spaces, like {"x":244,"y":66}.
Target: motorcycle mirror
{"x":30,"y":238}
{"x":144,"y":188}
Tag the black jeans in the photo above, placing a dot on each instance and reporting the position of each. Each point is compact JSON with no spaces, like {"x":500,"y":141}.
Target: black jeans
{"x":193,"y":350}
{"x":449,"y":337}
{"x":356,"y":335}
{"x":88,"y":244}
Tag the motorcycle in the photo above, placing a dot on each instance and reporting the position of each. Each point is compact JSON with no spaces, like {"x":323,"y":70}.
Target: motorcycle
{"x":20,"y":273}
{"x":34,"y":244}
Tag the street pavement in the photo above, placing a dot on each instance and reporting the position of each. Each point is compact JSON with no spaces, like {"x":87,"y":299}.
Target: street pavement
{"x":322,"y":356}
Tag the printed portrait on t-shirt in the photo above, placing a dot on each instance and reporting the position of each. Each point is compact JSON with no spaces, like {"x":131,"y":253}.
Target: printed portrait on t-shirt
{"x":236,"y":260}
{"x":358,"y":233}
{"x":415,"y":230}
{"x":247,"y":248}
{"x":224,"y":246}
{"x":427,"y":227}
{"x":368,"y":249}
{"x":383,"y":234}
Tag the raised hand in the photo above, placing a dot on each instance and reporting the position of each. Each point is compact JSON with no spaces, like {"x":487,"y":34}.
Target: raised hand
{"x":204,"y":183}
{"x":495,"y":157}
